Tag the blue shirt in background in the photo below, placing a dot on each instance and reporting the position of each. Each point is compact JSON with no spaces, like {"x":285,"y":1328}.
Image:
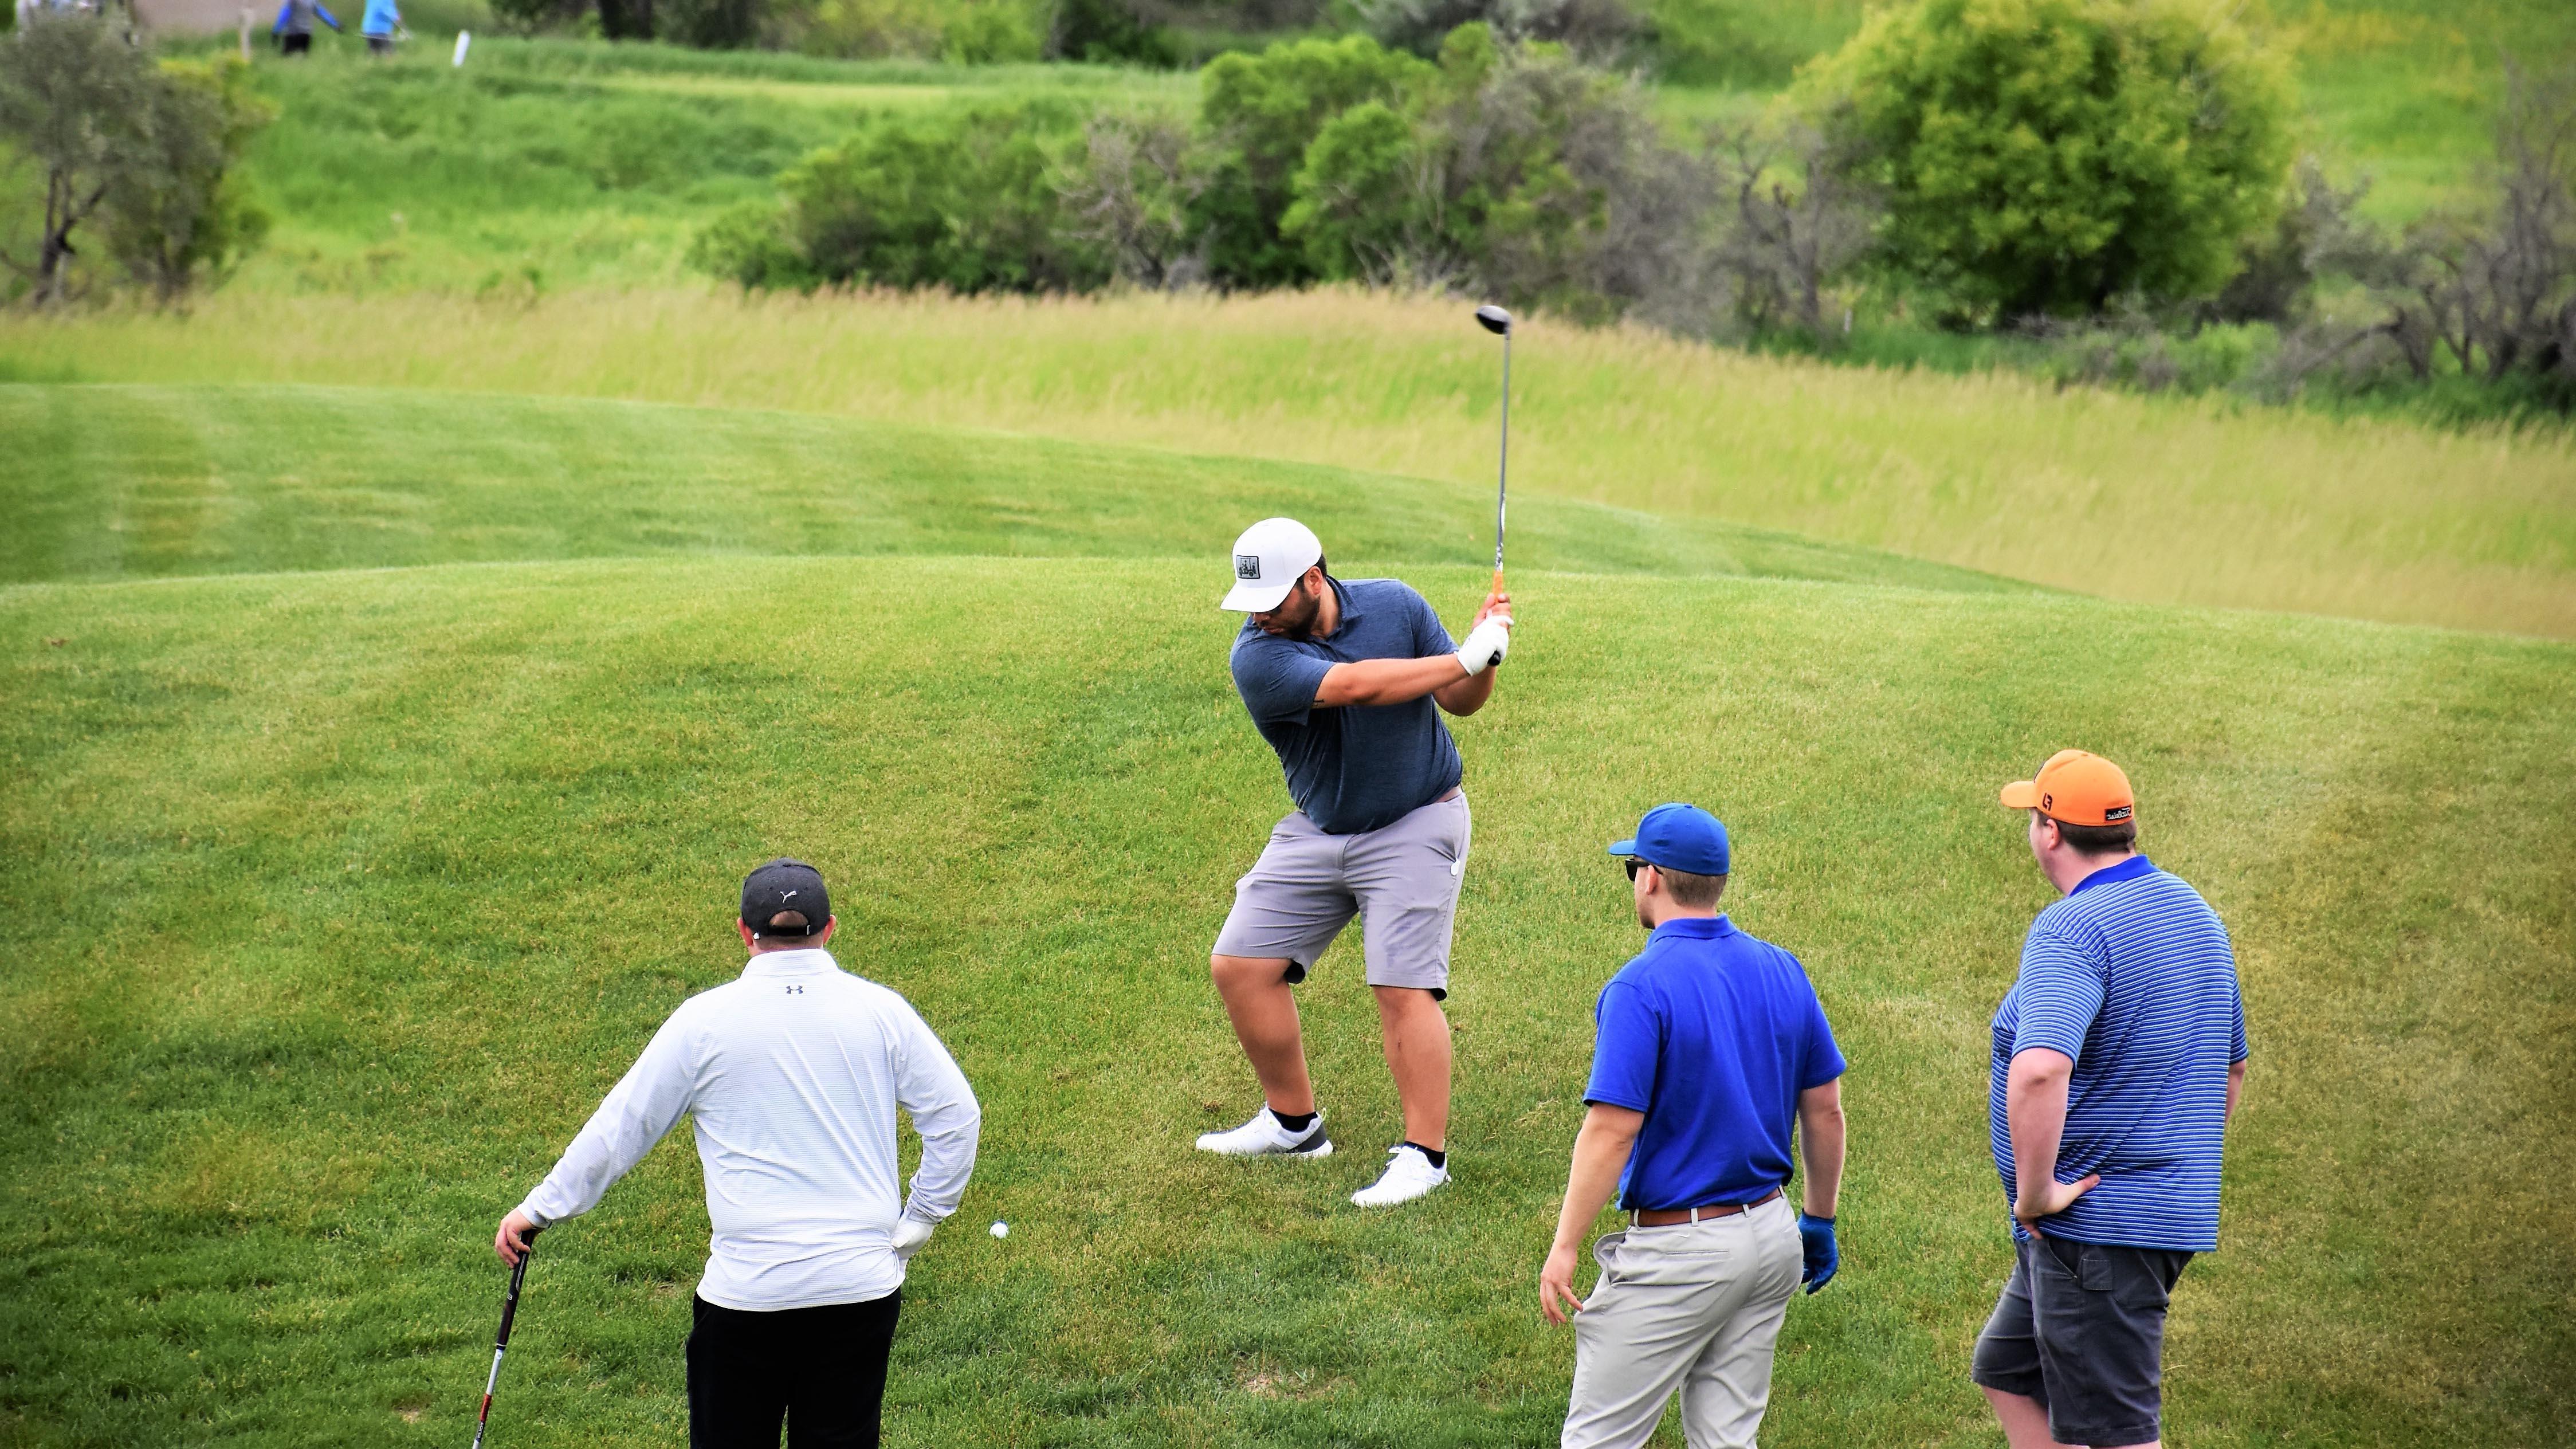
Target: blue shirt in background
{"x":1353,"y":767}
{"x":1712,"y":1034}
{"x":2131,"y":976}
{"x":382,"y":18}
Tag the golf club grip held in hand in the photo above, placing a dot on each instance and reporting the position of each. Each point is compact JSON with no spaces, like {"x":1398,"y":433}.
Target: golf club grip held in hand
{"x":1485,"y":645}
{"x":510,"y":1302}
{"x":501,"y":1340}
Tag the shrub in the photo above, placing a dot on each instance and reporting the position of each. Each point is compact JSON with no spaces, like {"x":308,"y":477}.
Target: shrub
{"x":968,"y":200}
{"x":1103,"y":31}
{"x":1257,"y":115}
{"x":143,"y":151}
{"x":2476,"y":302}
{"x":748,"y":244}
{"x":1784,"y":239}
{"x":1129,"y":196}
{"x":1595,"y":29}
{"x":1518,"y":173}
{"x":177,"y":211}
{"x":2051,"y":156}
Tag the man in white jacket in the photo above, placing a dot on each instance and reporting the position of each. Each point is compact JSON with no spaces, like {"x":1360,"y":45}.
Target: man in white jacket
{"x":792,"y":1073}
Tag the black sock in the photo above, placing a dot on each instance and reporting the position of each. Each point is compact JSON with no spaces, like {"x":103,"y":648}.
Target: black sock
{"x":1294,"y":1122}
{"x":1437,"y":1157}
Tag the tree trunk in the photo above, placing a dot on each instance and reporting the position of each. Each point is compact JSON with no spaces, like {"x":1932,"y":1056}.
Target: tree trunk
{"x":626,"y":19}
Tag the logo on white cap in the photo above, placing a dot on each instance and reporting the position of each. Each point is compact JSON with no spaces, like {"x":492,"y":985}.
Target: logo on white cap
{"x":1269,"y":559}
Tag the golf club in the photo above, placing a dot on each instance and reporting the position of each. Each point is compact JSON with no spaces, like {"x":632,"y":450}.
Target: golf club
{"x":1499,"y":322}
{"x":501,"y":1345}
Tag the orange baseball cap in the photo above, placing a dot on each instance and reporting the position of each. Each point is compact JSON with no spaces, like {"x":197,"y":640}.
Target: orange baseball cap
{"x":2076,"y":788}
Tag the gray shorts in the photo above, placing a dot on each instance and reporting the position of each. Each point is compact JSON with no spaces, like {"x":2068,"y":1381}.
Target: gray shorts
{"x":2081,"y":1328}
{"x":1401,"y":880}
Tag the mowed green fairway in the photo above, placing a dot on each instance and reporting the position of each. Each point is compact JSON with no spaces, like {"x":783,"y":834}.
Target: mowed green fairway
{"x":334,"y":901}
{"x":113,"y":482}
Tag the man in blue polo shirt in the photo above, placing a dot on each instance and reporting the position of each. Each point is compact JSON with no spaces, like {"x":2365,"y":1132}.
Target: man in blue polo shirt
{"x":1711,"y":1047}
{"x":2118,"y":1058}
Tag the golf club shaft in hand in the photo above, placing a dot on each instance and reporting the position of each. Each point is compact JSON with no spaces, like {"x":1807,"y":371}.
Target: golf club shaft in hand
{"x":501,"y":1343}
{"x":1496,"y":320}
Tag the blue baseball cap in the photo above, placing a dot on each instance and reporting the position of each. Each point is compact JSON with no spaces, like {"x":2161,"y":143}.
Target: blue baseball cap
{"x":1678,"y":837}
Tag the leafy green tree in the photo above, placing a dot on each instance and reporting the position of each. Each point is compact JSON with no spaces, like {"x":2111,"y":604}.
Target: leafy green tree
{"x":71,"y":87}
{"x":177,"y":210}
{"x":2053,"y":156}
{"x":1364,"y":204}
{"x":1518,"y":173}
{"x":1258,"y":114}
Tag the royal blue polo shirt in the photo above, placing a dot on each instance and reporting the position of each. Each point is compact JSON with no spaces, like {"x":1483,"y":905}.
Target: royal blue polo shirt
{"x":2132,"y":977}
{"x":1712,"y":1034}
{"x":1354,"y":767}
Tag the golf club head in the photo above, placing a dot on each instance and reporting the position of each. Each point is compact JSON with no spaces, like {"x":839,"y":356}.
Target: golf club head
{"x":1494,"y":319}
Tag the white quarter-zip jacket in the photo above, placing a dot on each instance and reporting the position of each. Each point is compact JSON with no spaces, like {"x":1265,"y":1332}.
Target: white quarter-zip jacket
{"x":792,"y":1074}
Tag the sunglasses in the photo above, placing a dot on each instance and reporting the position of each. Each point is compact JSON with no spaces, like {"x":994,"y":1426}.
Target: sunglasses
{"x":1635,"y":865}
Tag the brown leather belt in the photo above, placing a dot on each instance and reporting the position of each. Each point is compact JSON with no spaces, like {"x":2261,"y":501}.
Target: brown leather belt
{"x":1672,"y":1217}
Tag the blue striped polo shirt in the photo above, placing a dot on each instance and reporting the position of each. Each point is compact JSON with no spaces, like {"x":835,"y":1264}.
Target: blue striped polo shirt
{"x":2132,"y":976}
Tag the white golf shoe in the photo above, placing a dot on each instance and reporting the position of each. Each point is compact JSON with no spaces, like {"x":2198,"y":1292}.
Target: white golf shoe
{"x":1408,"y":1175}
{"x":1264,"y":1137}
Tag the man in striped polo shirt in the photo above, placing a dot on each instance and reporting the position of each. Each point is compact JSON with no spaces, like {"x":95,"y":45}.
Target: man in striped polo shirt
{"x":2118,"y":1057}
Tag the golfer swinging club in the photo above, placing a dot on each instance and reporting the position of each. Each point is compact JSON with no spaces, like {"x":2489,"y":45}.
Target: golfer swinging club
{"x":1341,"y":677}
{"x":793,"y":1072}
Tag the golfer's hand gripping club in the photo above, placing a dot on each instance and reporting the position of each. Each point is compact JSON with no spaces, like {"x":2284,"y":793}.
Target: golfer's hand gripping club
{"x":1486,"y":644}
{"x":516,"y":1237}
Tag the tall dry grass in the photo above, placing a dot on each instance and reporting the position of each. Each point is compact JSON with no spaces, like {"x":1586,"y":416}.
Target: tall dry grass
{"x":2161,"y":500}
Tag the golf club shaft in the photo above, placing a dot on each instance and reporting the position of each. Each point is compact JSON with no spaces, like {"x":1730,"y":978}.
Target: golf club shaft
{"x":501,"y":1344}
{"x":1503,"y":464}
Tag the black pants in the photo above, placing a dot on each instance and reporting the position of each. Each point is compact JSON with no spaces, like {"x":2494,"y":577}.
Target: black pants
{"x":821,"y":1370}
{"x":295,"y":44}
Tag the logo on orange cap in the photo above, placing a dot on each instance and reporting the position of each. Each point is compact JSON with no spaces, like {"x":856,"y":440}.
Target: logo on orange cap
{"x":2076,"y":788}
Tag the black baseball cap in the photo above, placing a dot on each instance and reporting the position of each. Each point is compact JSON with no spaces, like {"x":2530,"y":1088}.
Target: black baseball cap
{"x":776,"y":887}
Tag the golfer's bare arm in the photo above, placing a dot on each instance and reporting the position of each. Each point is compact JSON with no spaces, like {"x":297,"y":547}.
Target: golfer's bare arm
{"x":1600,"y":1152}
{"x":1820,"y":1142}
{"x":2235,"y":1087}
{"x":2035,"y":1113}
{"x":1400,"y":681}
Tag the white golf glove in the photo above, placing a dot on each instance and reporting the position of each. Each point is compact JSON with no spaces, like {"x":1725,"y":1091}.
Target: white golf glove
{"x":909,"y":1235}
{"x":1486,"y":644}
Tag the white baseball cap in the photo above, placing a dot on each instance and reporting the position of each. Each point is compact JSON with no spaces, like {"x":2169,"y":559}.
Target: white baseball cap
{"x":1269,"y":559}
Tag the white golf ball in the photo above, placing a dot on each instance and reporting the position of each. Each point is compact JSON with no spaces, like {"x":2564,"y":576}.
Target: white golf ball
{"x":1001,"y":1230}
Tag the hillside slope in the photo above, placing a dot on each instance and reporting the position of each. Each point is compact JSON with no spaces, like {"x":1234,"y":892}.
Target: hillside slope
{"x":331,"y":902}
{"x":129,"y":481}
{"x":2157,"y":500}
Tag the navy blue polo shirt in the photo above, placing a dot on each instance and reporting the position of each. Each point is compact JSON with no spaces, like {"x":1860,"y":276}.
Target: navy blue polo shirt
{"x":1353,"y":767}
{"x":2132,"y":978}
{"x":1712,"y":1034}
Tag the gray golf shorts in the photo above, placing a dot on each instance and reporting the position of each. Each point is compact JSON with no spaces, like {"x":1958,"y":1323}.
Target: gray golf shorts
{"x":1401,"y":880}
{"x":2081,"y":1328}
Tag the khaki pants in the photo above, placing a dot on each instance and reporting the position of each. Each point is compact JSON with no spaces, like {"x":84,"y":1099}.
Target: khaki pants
{"x":1695,"y":1307}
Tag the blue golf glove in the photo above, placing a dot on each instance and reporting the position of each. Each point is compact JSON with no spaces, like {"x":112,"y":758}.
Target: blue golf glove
{"x":1823,"y":1259}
